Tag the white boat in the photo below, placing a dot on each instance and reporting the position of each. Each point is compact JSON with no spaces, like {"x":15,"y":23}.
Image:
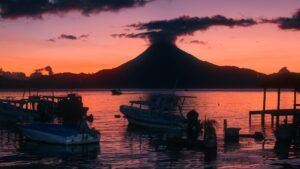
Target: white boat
{"x":163,"y":112}
{"x":59,"y":134}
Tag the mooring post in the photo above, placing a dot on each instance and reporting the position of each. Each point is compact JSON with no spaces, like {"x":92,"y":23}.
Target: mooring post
{"x":295,"y":106}
{"x":272,"y":120}
{"x":278,"y":107}
{"x":250,"y":118}
{"x":264,"y":108}
{"x":225,"y":127}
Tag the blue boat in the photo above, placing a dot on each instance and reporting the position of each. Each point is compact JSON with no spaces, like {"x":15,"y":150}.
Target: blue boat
{"x":59,"y":134}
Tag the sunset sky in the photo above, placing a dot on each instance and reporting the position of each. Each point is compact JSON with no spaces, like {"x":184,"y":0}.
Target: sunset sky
{"x":70,"y":41}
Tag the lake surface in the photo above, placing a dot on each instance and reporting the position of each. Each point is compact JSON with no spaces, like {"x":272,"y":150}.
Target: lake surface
{"x":125,"y":147}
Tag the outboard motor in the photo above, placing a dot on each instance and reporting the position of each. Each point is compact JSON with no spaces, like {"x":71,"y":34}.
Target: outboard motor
{"x":194,"y":127}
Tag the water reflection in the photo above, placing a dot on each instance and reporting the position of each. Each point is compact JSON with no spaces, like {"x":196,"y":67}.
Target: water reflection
{"x":126,"y":147}
{"x":73,"y":152}
{"x":176,"y":154}
{"x":282,"y":149}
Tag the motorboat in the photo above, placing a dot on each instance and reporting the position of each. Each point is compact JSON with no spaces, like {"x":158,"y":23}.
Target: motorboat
{"x":39,"y":107}
{"x":59,"y":134}
{"x":116,"y":92}
{"x":73,"y":128}
{"x":160,"y":111}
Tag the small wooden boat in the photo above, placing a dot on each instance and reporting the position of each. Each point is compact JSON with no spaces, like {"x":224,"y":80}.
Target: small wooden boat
{"x":161,"y":111}
{"x":39,"y":107}
{"x":116,"y":92}
{"x":59,"y":134}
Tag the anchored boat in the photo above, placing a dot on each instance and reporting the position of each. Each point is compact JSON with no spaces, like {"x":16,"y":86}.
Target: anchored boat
{"x":39,"y":108}
{"x":71,"y":126}
{"x":162,"y":111}
{"x":116,"y":92}
{"x":59,"y":134}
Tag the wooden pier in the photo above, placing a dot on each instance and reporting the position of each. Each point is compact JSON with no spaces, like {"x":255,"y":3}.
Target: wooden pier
{"x":276,"y":113}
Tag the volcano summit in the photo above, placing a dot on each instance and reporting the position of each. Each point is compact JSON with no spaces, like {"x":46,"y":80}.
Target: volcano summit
{"x":164,"y":65}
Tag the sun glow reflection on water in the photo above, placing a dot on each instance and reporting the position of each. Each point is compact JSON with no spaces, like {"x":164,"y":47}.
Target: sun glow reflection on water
{"x":125,"y":147}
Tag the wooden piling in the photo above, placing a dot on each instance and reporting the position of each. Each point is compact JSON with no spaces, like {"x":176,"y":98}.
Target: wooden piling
{"x":250,"y":118}
{"x":278,"y":107}
{"x":295,"y":105}
{"x":264,"y":108}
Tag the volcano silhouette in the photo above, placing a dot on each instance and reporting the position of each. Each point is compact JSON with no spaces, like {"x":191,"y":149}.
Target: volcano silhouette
{"x":164,"y":65}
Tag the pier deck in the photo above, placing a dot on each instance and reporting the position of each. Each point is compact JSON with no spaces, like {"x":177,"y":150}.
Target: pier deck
{"x":276,"y":112}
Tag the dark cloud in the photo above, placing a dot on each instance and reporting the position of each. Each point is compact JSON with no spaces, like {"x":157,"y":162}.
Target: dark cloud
{"x":169,"y":30}
{"x":10,"y":9}
{"x":69,"y":37}
{"x":84,"y":36}
{"x":51,"y":40}
{"x":198,"y":42}
{"x":292,"y":22}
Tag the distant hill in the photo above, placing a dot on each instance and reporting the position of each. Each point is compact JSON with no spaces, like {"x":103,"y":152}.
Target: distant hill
{"x":161,"y":66}
{"x":165,"y":65}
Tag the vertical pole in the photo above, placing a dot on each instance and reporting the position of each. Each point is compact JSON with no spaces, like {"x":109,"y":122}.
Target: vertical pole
{"x":278,"y":108}
{"x":264,"y":108}
{"x":250,"y":118}
{"x":272,"y":120}
{"x":295,"y":107}
{"x":225,"y":127}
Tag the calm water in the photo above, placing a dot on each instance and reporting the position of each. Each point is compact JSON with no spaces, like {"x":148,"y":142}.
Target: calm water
{"x":123,"y":147}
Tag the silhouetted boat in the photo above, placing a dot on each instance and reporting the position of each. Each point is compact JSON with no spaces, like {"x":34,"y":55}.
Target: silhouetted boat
{"x":162,"y":111}
{"x":116,"y":92}
{"x":59,"y":134}
{"x":38,"y":108}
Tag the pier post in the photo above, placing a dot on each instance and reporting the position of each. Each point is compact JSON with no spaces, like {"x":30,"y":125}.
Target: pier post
{"x":278,"y":107}
{"x":295,"y":106}
{"x":264,"y":108}
{"x":250,"y":116}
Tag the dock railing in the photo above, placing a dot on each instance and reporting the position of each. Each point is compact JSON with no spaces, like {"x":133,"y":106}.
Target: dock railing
{"x":276,"y":113}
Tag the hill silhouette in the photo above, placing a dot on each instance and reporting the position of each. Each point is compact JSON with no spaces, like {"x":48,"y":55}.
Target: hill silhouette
{"x":162,"y":65}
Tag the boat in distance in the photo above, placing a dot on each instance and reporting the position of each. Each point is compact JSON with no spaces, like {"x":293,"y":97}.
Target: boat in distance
{"x":161,"y":111}
{"x":116,"y":92}
{"x":59,"y":134}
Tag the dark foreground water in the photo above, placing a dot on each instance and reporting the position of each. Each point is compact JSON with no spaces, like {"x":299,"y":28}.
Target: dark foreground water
{"x":124,"y":147}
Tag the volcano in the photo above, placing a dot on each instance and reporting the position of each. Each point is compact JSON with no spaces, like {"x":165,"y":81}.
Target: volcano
{"x":164,"y":65}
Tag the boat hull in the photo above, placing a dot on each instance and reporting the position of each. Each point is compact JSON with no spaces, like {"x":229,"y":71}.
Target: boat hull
{"x":154,"y":126}
{"x":152,"y":120}
{"x":48,"y":137}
